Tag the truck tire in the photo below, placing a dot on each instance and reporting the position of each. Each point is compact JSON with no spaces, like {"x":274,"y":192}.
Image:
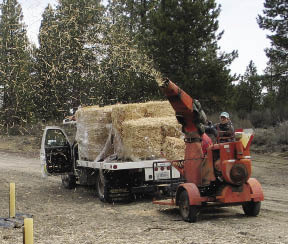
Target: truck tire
{"x":188,"y":212}
{"x":102,"y":190}
{"x":251,"y":208}
{"x":68,"y":181}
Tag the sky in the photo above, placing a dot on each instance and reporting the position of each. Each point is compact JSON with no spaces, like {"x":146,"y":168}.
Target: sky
{"x":242,"y":33}
{"x":237,"y":19}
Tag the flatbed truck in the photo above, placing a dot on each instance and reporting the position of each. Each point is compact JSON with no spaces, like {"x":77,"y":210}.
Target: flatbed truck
{"x":114,"y":179}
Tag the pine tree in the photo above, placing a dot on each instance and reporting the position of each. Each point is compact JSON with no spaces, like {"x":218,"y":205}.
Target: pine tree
{"x":181,"y":38}
{"x":66,"y":55}
{"x":275,"y":19}
{"x":248,"y":95}
{"x":127,"y":73}
{"x":49,"y":91}
{"x":15,"y":67}
{"x":77,"y":23}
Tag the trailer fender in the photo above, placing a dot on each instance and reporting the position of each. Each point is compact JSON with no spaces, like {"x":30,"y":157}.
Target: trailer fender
{"x":192,"y":191}
{"x":256,"y":190}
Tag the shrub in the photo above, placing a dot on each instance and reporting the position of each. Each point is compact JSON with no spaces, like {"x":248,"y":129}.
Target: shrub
{"x":281,"y":112}
{"x":265,"y":137}
{"x":241,"y":122}
{"x":273,"y":138}
{"x":282,"y":133}
{"x":263,"y":119}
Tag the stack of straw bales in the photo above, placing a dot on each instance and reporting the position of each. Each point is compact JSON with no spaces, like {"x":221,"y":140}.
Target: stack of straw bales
{"x":92,"y":130}
{"x":141,"y":131}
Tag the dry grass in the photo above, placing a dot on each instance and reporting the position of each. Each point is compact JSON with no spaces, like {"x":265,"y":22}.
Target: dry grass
{"x":273,"y":139}
{"x":27,"y":145}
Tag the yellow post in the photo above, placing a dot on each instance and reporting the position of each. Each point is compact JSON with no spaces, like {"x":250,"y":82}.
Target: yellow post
{"x":28,"y":231}
{"x":12,"y":201}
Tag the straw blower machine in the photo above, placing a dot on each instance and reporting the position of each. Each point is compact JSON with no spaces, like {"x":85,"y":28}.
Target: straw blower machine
{"x":219,"y":178}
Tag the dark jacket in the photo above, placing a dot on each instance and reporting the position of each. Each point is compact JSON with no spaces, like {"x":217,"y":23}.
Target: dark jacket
{"x":223,"y":132}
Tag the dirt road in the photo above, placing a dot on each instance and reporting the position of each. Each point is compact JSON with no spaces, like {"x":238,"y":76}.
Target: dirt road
{"x":77,"y":216}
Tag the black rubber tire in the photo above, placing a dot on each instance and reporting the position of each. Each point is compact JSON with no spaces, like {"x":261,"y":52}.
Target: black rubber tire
{"x":251,"y":208}
{"x":68,"y":181}
{"x":188,"y":212}
{"x":102,"y":190}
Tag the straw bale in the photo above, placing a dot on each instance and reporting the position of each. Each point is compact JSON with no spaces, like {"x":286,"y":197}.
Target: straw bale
{"x":171,"y":127}
{"x":173,"y":148}
{"x":93,"y":114}
{"x":143,"y":138}
{"x":159,"y":109}
{"x":126,"y":112}
{"x":92,"y":130}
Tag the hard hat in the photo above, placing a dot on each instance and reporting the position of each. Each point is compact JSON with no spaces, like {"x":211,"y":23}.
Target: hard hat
{"x":224,"y":114}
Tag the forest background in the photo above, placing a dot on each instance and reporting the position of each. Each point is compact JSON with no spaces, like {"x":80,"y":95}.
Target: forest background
{"x":91,"y":54}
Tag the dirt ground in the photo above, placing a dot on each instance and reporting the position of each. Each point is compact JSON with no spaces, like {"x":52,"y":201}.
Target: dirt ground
{"x":77,"y":216}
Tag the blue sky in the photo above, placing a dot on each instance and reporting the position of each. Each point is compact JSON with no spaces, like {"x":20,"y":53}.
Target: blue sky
{"x":237,"y":19}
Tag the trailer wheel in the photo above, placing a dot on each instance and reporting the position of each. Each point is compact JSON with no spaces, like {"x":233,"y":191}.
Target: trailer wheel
{"x":102,"y":190}
{"x":251,"y":208}
{"x":68,"y":181}
{"x":188,"y":212}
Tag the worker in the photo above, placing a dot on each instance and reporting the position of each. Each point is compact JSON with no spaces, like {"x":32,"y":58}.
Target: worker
{"x":223,"y":131}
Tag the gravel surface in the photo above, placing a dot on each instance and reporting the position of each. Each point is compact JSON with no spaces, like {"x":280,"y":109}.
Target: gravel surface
{"x":77,"y":216}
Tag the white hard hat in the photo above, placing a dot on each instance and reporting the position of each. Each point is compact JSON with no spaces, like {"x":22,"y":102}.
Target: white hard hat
{"x":224,"y":114}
